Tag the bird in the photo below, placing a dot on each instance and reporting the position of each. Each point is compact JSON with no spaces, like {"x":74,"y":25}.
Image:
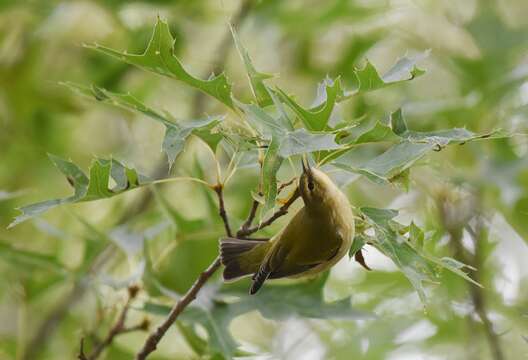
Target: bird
{"x":315,"y":238}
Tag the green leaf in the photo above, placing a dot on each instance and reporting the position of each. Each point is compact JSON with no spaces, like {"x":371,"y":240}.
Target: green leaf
{"x":416,"y":235}
{"x":270,"y":167}
{"x":176,"y":134}
{"x":301,"y":141}
{"x":159,"y":58}
{"x":86,"y":189}
{"x":316,"y":118}
{"x":439,"y":138}
{"x":256,"y":79}
{"x":215,"y":320}
{"x":416,"y":265}
{"x":359,"y":241}
{"x":392,"y":162}
{"x":304,"y":299}
{"x":379,"y":216}
{"x":405,"y":69}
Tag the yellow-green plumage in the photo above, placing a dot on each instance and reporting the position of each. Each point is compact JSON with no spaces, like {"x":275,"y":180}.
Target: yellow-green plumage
{"x":316,"y":237}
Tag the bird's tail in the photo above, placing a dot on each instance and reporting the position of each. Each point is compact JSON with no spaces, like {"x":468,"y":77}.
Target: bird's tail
{"x":241,"y":257}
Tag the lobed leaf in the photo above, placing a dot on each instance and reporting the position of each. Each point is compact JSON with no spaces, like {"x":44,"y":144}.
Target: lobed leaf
{"x":405,"y":69}
{"x":159,"y":58}
{"x":417,"y":266}
{"x":316,"y":118}
{"x":391,"y":165}
{"x":94,"y":187}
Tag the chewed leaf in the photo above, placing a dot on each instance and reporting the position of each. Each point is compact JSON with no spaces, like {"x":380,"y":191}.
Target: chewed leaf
{"x":94,"y":187}
{"x":405,"y":69}
{"x":159,"y":58}
{"x":176,"y":133}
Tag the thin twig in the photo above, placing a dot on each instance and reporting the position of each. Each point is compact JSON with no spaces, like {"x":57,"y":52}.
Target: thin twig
{"x":252,"y":212}
{"x":152,"y":341}
{"x":118,"y":329}
{"x":219,"y":189}
{"x":283,"y":210}
{"x":285,"y":185}
{"x":478,"y":298}
{"x":455,"y":231}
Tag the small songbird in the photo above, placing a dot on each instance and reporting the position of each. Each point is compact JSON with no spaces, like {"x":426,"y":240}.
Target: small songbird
{"x":316,"y":238}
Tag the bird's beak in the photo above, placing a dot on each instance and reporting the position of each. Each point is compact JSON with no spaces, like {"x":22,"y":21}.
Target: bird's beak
{"x":306,"y":166}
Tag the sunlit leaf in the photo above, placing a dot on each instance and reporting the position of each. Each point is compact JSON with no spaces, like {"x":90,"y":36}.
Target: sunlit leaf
{"x":159,"y":58}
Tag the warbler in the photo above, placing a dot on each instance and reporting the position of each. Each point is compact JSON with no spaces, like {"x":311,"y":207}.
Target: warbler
{"x":316,"y":238}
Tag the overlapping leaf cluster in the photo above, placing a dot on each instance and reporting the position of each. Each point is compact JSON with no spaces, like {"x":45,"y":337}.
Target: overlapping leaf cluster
{"x":277,"y":127}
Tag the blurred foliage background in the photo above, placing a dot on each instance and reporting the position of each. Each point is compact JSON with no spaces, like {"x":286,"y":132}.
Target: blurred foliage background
{"x":64,"y":275}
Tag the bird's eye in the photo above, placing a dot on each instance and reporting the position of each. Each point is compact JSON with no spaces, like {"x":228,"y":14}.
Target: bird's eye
{"x":311,"y":186}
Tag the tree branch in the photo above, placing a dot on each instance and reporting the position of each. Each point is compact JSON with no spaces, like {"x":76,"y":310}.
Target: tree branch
{"x":118,"y":329}
{"x":152,"y":341}
{"x":154,"y":338}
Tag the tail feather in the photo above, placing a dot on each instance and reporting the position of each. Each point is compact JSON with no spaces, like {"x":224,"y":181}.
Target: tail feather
{"x":231,"y":251}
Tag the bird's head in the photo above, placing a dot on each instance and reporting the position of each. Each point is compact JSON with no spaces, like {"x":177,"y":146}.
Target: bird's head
{"x":314,"y":185}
